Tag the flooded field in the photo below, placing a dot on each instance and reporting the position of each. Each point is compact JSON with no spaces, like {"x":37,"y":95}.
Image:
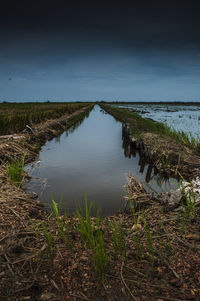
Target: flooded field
{"x":92,"y":159}
{"x":184,"y":118}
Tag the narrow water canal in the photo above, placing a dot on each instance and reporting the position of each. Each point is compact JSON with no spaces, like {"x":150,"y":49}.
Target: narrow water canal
{"x":92,"y":160}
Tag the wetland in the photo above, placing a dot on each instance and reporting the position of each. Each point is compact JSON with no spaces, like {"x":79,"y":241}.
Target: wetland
{"x":77,"y":254}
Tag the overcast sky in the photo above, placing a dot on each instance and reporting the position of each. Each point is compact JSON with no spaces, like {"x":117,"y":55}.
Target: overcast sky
{"x":130,"y":51}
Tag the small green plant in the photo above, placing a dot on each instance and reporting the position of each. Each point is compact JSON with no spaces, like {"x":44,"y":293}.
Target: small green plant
{"x":85,"y":226}
{"x":15,"y":171}
{"x":62,"y":224}
{"x":92,"y":238}
{"x":137,"y":241}
{"x":118,"y":240}
{"x":150,"y":247}
{"x":100,"y":258}
{"x":49,"y":239}
{"x":182,"y":230}
{"x":136,"y":217}
{"x":35,"y":227}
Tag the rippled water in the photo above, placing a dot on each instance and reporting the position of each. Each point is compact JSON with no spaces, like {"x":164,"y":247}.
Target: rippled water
{"x":94,"y":160}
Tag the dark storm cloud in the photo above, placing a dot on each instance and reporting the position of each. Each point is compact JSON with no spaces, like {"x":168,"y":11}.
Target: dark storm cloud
{"x":130,"y":50}
{"x":143,"y":22}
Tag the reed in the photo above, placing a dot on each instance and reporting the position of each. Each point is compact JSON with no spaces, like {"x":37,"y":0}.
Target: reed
{"x":15,"y":171}
{"x":138,"y":247}
{"x":85,"y":226}
{"x":92,"y":238}
{"x":100,"y":258}
{"x":150,"y":246}
{"x":62,"y":224}
{"x":49,"y":239}
{"x":118,"y":240}
{"x":35,"y":227}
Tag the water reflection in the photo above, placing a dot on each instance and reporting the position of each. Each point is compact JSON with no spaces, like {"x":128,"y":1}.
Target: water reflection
{"x":89,"y":159}
{"x":132,"y":150}
{"x":77,"y":124}
{"x":57,"y":139}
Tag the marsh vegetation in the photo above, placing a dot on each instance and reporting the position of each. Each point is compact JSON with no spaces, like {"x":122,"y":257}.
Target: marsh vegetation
{"x":15,"y":116}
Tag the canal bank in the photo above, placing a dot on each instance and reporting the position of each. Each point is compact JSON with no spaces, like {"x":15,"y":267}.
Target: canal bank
{"x":170,"y":152}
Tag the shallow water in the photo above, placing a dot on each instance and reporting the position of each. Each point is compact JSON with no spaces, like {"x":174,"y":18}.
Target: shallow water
{"x":93,"y":160}
{"x":184,"y":118}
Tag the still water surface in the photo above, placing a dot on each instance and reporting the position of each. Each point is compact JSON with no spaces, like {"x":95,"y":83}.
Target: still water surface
{"x":92,"y":160}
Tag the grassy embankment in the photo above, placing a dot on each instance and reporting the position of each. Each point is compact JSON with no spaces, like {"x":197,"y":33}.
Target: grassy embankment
{"x":17,"y":153}
{"x":15,"y":116}
{"x":140,"y":125}
{"x":15,"y":165}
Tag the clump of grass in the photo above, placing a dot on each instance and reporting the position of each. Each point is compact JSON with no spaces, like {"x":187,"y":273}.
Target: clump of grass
{"x":62,"y":225}
{"x":150,"y":247}
{"x":100,"y":258}
{"x":35,"y":227}
{"x":49,"y":238}
{"x":85,"y":226}
{"x":137,"y":241}
{"x":92,"y":238}
{"x":15,"y":171}
{"x":47,"y":233}
{"x":118,"y":240}
{"x":136,"y":216}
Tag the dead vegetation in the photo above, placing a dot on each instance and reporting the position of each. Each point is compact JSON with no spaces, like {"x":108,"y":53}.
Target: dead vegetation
{"x":172,"y":158}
